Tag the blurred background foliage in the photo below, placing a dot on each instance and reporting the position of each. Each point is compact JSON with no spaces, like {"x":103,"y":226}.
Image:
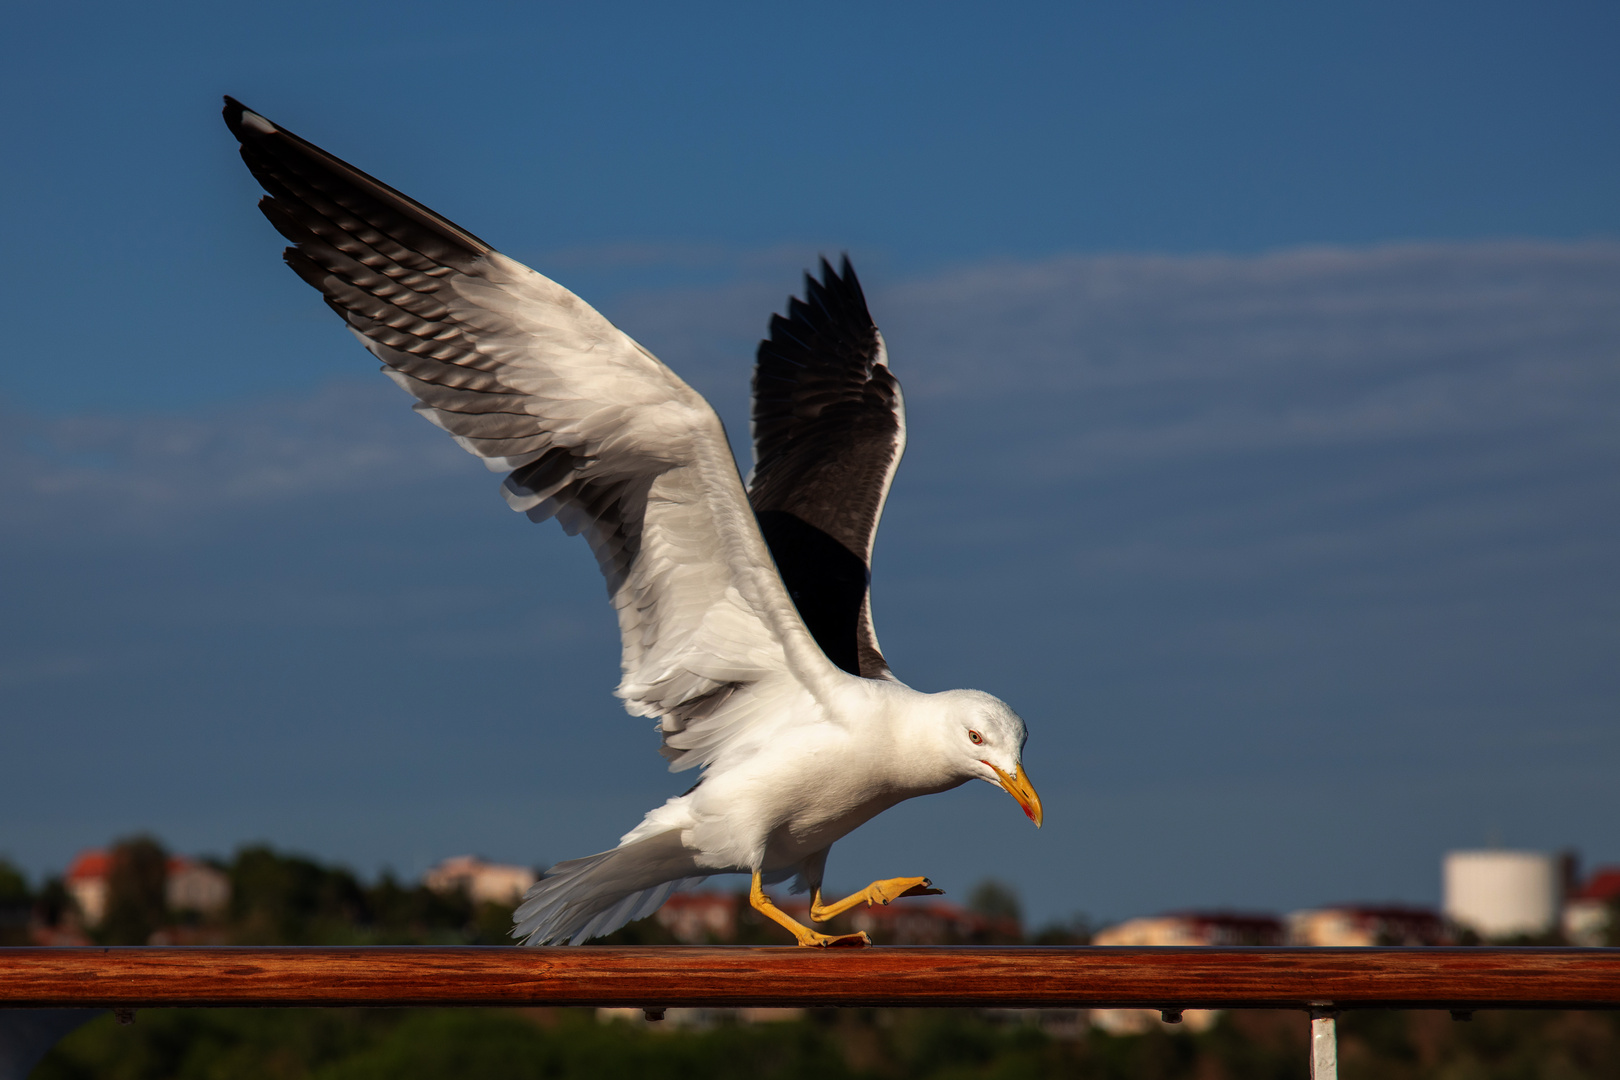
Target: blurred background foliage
{"x":276,"y":898}
{"x":556,"y":1044}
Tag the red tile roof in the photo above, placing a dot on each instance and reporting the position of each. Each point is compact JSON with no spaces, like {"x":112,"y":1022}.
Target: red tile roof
{"x":1604,"y":884}
{"x":95,"y":863}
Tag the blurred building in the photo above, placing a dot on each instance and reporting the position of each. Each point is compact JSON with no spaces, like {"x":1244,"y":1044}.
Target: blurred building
{"x":1186,"y":928}
{"x":932,"y":922}
{"x":1503,"y":894}
{"x":196,"y":886}
{"x":87,"y":883}
{"x":1589,"y":912}
{"x":1195,"y":928}
{"x":1141,"y":1021}
{"x":189,"y":885}
{"x":699,"y":918}
{"x":1366,"y":924}
{"x":697,"y":1019}
{"x":499,"y":883}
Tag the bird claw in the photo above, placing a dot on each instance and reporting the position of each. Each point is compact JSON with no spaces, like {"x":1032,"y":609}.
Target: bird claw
{"x":836,"y":941}
{"x":882,"y":892}
{"x":922,"y":890}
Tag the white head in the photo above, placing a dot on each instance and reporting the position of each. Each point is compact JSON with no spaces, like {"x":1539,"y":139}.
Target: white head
{"x":985,"y":740}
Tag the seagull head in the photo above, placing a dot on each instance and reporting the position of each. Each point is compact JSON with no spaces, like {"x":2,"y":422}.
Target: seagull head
{"x":986,"y":739}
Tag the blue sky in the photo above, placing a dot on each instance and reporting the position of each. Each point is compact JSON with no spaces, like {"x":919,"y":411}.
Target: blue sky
{"x":1263,"y":365}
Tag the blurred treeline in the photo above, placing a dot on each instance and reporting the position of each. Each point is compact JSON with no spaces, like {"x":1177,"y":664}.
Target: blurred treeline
{"x":275,"y":899}
{"x":561,"y":1044}
{"x":17,"y":903}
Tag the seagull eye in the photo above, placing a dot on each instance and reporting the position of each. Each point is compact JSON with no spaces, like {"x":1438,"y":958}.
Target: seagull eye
{"x":976,"y":738}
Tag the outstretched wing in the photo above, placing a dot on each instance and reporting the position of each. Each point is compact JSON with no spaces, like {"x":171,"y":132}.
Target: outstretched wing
{"x":590,"y":427}
{"x":829,"y":427}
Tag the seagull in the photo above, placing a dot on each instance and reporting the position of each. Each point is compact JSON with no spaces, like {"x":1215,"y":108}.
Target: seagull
{"x":743,"y":610}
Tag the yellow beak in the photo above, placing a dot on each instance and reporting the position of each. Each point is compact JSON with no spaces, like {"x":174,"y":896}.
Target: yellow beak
{"x":1021,"y":789}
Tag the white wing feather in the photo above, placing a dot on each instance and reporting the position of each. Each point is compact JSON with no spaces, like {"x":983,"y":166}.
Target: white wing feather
{"x":593,"y":429}
{"x":703,"y":616}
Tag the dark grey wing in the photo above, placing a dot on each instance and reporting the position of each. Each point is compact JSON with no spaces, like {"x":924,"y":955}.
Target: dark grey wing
{"x":829,"y":427}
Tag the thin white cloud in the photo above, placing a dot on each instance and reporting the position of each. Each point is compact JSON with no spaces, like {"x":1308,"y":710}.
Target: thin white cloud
{"x":156,"y":472}
{"x":1073,"y":369}
{"x":1088,"y":322}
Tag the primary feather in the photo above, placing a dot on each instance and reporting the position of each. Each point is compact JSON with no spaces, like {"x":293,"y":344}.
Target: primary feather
{"x":829,"y":427}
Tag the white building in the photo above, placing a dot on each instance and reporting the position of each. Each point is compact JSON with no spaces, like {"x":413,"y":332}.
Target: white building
{"x":195,"y":886}
{"x":1194,"y":928}
{"x":188,"y":885}
{"x":1590,"y":911}
{"x":697,"y":918}
{"x":87,"y":884}
{"x":1349,"y":925}
{"x":1503,"y":894}
{"x":1181,"y":929}
{"x":482,"y":881}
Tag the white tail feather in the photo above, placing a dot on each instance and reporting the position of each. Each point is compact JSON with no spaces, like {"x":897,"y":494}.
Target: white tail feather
{"x":586,"y":898}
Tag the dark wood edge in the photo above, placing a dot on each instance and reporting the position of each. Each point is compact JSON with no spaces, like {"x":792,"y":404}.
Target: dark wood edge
{"x":1091,"y":977}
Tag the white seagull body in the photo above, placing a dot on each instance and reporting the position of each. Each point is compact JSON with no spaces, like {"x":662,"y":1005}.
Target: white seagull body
{"x":777,"y":691}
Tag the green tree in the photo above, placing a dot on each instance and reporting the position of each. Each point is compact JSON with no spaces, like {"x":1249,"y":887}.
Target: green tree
{"x":995,"y":900}
{"x":136,"y":883}
{"x":1075,"y":931}
{"x":16,"y":904}
{"x":53,"y":903}
{"x":998,"y":903}
{"x":831,"y":1044}
{"x":281,"y":899}
{"x":413,"y":914}
{"x":492,"y":924}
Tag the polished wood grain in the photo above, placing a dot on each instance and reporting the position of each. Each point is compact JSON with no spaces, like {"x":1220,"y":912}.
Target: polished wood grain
{"x":1462,"y":978}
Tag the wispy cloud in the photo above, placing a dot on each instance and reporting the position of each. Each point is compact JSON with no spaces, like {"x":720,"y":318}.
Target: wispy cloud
{"x":156,"y":472}
{"x":1474,"y":387}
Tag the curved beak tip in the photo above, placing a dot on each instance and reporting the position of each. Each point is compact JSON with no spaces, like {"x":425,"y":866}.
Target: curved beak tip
{"x":1019,"y":787}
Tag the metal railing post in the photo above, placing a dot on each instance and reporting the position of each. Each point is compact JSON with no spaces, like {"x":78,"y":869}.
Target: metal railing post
{"x":1324,"y":1044}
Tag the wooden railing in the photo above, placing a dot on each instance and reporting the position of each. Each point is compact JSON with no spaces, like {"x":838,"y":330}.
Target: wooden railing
{"x":1159,"y":978}
{"x":1320,"y":981}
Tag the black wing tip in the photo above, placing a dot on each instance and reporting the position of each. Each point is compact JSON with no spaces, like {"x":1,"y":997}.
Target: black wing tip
{"x":244,"y":122}
{"x":832,"y":310}
{"x":840,"y":283}
{"x":843,"y":277}
{"x":829,"y":276}
{"x":844,"y":280}
{"x":258,"y":135}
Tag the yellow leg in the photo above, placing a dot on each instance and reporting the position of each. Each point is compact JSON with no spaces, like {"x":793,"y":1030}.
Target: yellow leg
{"x":806,"y":936}
{"x":879,"y":892}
